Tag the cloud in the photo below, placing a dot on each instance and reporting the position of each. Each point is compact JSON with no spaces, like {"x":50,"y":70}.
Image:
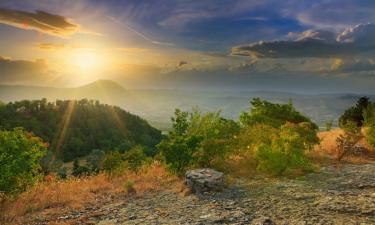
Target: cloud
{"x":39,"y":20}
{"x":23,"y":71}
{"x":50,"y":46}
{"x":353,"y":66}
{"x":353,"y":41}
{"x":143,"y":36}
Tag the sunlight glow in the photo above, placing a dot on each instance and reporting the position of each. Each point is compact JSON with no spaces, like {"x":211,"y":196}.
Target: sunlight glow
{"x":86,"y":60}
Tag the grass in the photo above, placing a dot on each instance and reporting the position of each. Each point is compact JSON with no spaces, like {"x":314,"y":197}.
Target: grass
{"x":54,"y":195}
{"x":326,"y":152}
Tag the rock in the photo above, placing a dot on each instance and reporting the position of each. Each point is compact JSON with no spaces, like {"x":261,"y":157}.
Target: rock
{"x":204,"y":180}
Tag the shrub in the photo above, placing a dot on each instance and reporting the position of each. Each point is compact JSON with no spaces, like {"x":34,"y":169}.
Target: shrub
{"x":113,"y":163}
{"x":79,"y":170}
{"x":345,"y":142}
{"x":135,"y":158}
{"x":286,"y":152}
{"x":369,"y":118}
{"x":95,"y":160}
{"x":20,"y":153}
{"x":129,"y":186}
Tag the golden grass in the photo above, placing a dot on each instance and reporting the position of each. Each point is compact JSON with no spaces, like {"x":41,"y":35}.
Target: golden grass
{"x":326,"y":152}
{"x":75,"y":193}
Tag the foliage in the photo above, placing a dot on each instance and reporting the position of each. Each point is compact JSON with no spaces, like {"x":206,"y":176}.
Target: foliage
{"x":286,"y":151}
{"x":20,"y":153}
{"x":196,"y":140}
{"x":95,"y":160}
{"x":272,"y":114}
{"x":346,"y":142}
{"x":369,"y":118}
{"x":75,"y":128}
{"x":329,"y":125}
{"x":113,"y":163}
{"x":79,"y":170}
{"x":355,"y":113}
{"x":135,"y":158}
{"x":129,"y":186}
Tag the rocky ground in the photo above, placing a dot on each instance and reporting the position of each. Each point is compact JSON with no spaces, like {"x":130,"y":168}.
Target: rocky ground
{"x":343,"y":195}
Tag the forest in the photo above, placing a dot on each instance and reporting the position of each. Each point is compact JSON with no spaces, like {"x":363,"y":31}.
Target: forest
{"x":74,"y":128}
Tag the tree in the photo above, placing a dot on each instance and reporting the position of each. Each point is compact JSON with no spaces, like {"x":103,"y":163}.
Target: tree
{"x":20,"y":153}
{"x":355,"y":113}
{"x":369,"y":121}
{"x":179,"y":147}
{"x":272,"y":114}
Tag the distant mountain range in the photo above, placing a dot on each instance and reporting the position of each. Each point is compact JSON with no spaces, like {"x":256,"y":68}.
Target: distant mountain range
{"x":157,"y":105}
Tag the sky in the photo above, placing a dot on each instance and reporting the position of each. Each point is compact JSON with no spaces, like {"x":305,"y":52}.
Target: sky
{"x":307,"y":46}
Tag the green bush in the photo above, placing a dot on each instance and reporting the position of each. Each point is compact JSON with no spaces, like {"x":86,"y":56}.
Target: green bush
{"x":135,"y":158}
{"x":286,"y":152}
{"x":113,"y":163}
{"x":95,"y":160}
{"x":345,"y":142}
{"x":20,"y":153}
{"x":79,"y":170}
{"x":369,"y":118}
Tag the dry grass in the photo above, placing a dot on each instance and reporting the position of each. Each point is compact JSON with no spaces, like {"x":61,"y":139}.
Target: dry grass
{"x":326,"y":152}
{"x":75,"y":193}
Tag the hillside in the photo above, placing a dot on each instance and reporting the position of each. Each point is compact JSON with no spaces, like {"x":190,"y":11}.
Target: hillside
{"x":75,"y":128}
{"x":157,"y":105}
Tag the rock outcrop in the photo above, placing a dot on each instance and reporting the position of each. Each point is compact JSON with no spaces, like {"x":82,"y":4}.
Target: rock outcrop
{"x":205,"y":180}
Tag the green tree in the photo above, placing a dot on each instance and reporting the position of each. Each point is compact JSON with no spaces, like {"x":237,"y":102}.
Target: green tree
{"x":355,"y":113}
{"x":272,"y":114}
{"x":178,"y":147}
{"x":20,"y":153}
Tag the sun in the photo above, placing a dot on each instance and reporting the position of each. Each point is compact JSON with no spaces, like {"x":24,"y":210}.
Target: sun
{"x":85,"y":60}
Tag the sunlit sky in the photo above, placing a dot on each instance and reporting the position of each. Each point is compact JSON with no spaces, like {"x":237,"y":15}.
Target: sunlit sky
{"x":291,"y":45}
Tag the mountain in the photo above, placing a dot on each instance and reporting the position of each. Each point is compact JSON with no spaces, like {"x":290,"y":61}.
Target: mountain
{"x":157,"y":105}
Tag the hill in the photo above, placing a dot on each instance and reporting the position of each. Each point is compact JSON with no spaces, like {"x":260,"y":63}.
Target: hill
{"x":75,"y":128}
{"x":157,"y":105}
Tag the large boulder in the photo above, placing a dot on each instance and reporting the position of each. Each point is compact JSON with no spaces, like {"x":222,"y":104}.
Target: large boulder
{"x":205,"y":180}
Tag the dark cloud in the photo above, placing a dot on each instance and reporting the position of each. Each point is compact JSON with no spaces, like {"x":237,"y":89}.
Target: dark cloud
{"x":41,"y":21}
{"x":23,"y":71}
{"x":315,"y":43}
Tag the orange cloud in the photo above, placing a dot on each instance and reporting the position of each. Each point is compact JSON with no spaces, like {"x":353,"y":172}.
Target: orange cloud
{"x":40,"y":21}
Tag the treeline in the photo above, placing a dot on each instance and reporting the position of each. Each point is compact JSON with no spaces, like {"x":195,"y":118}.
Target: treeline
{"x":75,"y":128}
